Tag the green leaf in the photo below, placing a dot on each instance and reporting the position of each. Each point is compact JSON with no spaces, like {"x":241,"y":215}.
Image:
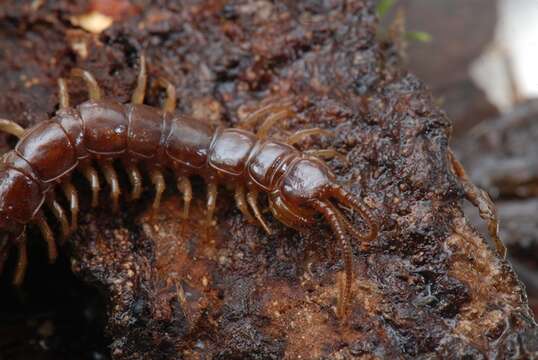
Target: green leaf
{"x":419,"y":36}
{"x":384,"y":6}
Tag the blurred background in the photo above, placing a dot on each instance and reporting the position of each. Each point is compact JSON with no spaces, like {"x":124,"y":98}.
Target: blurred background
{"x":480,"y":57}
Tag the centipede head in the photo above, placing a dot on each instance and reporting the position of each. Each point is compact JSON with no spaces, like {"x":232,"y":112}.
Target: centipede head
{"x":308,"y":187}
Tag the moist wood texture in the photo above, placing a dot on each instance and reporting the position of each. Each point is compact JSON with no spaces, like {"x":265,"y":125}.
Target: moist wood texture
{"x":430,"y":286}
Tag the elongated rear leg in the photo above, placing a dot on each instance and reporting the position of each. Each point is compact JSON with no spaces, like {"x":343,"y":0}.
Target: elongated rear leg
{"x":481,"y":200}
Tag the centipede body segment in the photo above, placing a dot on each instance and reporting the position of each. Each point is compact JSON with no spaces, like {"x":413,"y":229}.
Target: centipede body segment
{"x":93,"y":135}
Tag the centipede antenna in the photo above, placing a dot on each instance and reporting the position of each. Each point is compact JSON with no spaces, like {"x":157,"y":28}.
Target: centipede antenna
{"x":63,"y":94}
{"x":347,"y":255}
{"x":343,"y":219}
{"x":93,"y":87}
{"x":170,"y":101}
{"x":347,"y":199}
{"x":11,"y":128}
{"x":141,"y":83}
{"x":22,"y":263}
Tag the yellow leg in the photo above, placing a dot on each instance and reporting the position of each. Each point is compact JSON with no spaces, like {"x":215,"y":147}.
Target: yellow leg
{"x":252,"y":198}
{"x":11,"y":127}
{"x":60,"y":215}
{"x":271,"y":120}
{"x":111,"y":178}
{"x":170,"y":101}
{"x":140,"y":90}
{"x":157,"y":179}
{"x":301,"y":134}
{"x":93,"y":88}
{"x":212,"y":192}
{"x":63,"y":93}
{"x":136,"y":180}
{"x":184,"y":186}
{"x":90,"y":174}
{"x":241,"y":203}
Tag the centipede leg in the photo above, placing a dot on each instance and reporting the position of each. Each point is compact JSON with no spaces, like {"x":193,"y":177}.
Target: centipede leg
{"x":170,"y":101}
{"x":60,"y":215}
{"x":63,"y":94}
{"x":272,"y":120}
{"x":48,"y":235}
{"x":157,"y":179}
{"x":302,"y":134}
{"x":241,"y":202}
{"x":22,"y":263}
{"x":184,"y":186}
{"x":111,"y":178}
{"x":11,"y":127}
{"x":93,"y":87}
{"x":212,"y":191}
{"x":252,"y":198}
{"x":141,"y":82}
{"x":136,"y":180}
{"x":71,"y":194}
{"x":327,"y":154}
{"x":91,"y":175}
{"x":263,"y":112}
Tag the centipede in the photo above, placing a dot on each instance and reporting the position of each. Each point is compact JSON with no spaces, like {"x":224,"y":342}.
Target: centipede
{"x":100,"y":133}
